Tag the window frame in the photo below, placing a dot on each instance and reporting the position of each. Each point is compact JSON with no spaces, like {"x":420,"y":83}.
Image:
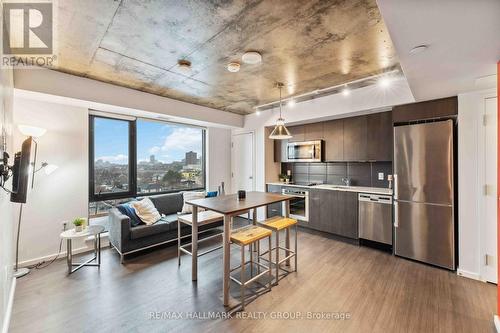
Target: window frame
{"x":132,"y":160}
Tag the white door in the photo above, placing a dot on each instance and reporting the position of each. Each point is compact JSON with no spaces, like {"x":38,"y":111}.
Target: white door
{"x":489,"y":223}
{"x":242,"y":162}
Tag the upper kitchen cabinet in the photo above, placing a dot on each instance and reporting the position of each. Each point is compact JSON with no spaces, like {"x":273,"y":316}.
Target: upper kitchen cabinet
{"x":314,"y":131}
{"x":355,"y":139}
{"x":379,"y":136}
{"x":333,"y":133}
{"x":297,"y":133}
{"x":280,"y":150}
{"x":438,"y":108}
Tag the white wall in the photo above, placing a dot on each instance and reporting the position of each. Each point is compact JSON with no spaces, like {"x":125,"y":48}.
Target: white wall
{"x":470,"y":111}
{"x":7,"y":215}
{"x":63,"y":195}
{"x":360,"y":101}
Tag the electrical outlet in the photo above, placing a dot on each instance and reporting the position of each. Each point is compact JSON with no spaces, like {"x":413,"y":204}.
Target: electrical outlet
{"x":380,"y":176}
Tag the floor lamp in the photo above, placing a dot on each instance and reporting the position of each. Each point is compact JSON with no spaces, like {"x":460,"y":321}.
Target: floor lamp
{"x":34,"y":132}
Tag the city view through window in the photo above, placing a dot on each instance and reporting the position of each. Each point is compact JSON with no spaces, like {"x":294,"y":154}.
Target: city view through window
{"x":168,"y":157}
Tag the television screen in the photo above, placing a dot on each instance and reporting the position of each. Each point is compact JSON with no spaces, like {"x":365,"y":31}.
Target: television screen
{"x":21,"y":172}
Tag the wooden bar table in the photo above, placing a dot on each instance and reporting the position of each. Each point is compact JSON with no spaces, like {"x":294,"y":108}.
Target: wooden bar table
{"x":230,"y":206}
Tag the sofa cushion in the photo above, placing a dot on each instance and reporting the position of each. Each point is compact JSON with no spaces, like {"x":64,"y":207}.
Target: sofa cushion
{"x":146,"y":211}
{"x":168,"y":203}
{"x":188,"y":209}
{"x":129,"y":211}
{"x":165,"y":224}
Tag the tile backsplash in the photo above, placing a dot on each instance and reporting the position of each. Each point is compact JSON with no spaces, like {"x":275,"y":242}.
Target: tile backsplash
{"x":360,"y":173}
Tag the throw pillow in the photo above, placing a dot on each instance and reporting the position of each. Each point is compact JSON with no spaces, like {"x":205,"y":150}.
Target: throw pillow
{"x":211,"y":194}
{"x":188,"y":209}
{"x":127,"y":210}
{"x":146,"y":211}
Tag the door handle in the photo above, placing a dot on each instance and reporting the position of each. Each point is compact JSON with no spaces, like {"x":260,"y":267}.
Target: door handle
{"x":396,"y":184}
{"x":396,"y":211}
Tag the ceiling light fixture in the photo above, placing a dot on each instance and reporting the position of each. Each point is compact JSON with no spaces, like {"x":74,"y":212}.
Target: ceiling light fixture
{"x":257,"y":112}
{"x":419,"y":49}
{"x":291,"y":103}
{"x":384,"y":82}
{"x":392,"y":75}
{"x":184,"y":66}
{"x":280,"y":132}
{"x":252,"y":58}
{"x":346,"y":91}
{"x":233,"y":67}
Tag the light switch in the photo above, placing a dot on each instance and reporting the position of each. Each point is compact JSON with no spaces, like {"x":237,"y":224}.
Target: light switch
{"x":380,"y":176}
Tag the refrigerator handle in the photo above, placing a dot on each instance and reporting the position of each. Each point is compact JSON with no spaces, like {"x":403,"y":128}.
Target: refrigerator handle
{"x":396,"y":186}
{"x":396,"y":221}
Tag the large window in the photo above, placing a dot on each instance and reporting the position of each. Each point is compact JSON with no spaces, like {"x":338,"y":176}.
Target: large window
{"x":170,"y":157}
{"x":130,"y":158}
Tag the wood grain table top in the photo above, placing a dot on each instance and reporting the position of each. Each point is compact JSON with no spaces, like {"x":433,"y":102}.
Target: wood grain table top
{"x":229,"y":204}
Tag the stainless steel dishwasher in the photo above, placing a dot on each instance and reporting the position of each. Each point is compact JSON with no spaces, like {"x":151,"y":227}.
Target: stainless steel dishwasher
{"x":375,"y":217}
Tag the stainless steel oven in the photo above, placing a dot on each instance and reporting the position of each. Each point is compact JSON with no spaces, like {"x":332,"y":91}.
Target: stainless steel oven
{"x":305,"y":151}
{"x":299,"y":205}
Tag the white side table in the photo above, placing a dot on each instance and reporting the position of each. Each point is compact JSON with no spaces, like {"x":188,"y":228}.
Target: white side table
{"x":69,"y":235}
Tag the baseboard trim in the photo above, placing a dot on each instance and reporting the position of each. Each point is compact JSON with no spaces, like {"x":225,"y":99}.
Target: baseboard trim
{"x":496,"y":320}
{"x":10,"y":304}
{"x":469,"y":275}
{"x":84,"y":249}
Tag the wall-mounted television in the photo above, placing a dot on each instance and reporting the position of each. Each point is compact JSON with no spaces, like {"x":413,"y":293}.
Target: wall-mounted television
{"x":21,"y":172}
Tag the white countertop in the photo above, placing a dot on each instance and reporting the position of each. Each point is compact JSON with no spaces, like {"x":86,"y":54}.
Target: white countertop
{"x":359,"y":189}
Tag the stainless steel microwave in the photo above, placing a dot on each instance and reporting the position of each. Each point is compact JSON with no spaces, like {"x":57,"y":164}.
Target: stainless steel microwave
{"x":305,"y":151}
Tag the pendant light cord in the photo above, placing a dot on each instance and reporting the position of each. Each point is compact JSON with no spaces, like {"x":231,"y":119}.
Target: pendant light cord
{"x":280,"y":101}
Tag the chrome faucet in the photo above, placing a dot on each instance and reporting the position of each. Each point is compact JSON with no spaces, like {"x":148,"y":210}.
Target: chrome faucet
{"x":346,"y":181}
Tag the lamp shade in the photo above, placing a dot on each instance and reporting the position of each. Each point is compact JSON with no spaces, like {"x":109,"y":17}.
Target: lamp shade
{"x":50,"y":168}
{"x":31,"y":130}
{"x":280,"y":132}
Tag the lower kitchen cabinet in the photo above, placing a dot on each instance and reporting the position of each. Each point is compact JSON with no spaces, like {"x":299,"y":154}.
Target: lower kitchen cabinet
{"x":335,"y":212}
{"x":277,"y":208}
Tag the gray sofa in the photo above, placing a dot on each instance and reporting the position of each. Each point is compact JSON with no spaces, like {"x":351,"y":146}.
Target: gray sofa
{"x":127,"y":239}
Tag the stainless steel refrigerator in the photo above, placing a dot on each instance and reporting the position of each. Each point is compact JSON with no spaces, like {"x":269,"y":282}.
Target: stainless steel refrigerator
{"x":424,"y":227}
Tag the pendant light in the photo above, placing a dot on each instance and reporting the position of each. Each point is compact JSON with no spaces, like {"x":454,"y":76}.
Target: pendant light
{"x":280,"y":131}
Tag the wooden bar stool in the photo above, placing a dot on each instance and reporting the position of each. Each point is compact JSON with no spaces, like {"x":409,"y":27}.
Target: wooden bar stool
{"x":248,"y":236}
{"x":277,"y":224}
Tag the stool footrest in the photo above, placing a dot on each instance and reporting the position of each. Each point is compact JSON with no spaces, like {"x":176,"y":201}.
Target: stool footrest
{"x":247,"y":282}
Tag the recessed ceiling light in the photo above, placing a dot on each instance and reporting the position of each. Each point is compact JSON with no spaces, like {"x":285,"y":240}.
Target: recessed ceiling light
{"x":384,"y":82}
{"x":184,"y":66}
{"x":257,"y":112}
{"x":346,"y":91}
{"x":252,"y":58}
{"x":233,"y":67}
{"x":291,"y":103}
{"x":418,"y":49}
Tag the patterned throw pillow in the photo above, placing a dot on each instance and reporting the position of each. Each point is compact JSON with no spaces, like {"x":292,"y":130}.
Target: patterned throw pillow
{"x":188,"y":209}
{"x":128,"y":210}
{"x":146,"y":211}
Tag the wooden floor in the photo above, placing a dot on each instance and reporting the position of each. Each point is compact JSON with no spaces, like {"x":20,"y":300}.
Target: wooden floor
{"x":379,"y":293}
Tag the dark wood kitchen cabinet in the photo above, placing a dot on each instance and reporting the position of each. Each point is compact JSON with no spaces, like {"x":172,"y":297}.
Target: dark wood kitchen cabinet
{"x":438,"y":108}
{"x":280,"y":153}
{"x":346,"y":214}
{"x":275,"y":209}
{"x":379,"y":137}
{"x":355,"y":139}
{"x":333,"y":133}
{"x":297,"y":133}
{"x":334,"y":212}
{"x":313,"y":131}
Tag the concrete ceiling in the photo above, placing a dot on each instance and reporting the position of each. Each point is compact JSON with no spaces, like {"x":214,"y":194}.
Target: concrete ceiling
{"x":463,"y":43}
{"x":309,"y":45}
